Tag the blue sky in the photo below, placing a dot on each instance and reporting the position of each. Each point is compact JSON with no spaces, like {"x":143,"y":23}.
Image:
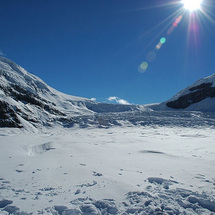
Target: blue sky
{"x":93,"y":48}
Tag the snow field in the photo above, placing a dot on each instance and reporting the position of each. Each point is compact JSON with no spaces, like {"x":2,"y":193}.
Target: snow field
{"x":120,"y":170}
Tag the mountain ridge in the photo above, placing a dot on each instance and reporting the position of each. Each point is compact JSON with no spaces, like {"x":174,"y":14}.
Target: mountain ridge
{"x":24,"y":96}
{"x":27,"y":101}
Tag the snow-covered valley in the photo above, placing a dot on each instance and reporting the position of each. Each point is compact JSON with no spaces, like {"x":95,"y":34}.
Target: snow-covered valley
{"x":67,"y":155}
{"x":129,"y":169}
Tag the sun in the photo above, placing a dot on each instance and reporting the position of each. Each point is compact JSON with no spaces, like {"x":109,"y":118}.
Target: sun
{"x":192,"y":5}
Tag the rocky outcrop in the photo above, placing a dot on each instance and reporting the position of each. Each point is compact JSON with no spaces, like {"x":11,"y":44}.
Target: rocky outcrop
{"x":26,"y":99}
{"x":197,"y":94}
{"x":8,"y":117}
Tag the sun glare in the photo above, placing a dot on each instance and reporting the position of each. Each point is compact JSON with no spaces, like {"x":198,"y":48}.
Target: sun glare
{"x":191,"y":12}
{"x":192,"y":5}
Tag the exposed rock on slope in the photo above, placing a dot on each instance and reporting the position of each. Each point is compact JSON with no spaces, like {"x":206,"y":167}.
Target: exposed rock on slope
{"x":26,"y":100}
{"x":198,"y":97}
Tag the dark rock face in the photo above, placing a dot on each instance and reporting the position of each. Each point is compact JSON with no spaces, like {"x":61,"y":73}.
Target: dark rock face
{"x":196,"y":94}
{"x":20,"y":94}
{"x":9,"y":114}
{"x":8,"y":117}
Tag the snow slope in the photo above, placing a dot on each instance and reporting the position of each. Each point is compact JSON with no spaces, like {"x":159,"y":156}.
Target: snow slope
{"x":26,"y":101}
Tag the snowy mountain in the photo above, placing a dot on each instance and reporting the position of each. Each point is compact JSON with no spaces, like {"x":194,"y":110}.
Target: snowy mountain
{"x":200,"y":96}
{"x":26,"y":100}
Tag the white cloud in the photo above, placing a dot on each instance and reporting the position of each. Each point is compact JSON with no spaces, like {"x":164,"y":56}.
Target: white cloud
{"x":123,"y":102}
{"x":93,"y":99}
{"x":118,"y":100}
{"x":112,"y":98}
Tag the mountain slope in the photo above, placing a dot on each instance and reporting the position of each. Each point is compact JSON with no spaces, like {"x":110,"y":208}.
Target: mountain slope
{"x":199,"y":96}
{"x":26,"y":100}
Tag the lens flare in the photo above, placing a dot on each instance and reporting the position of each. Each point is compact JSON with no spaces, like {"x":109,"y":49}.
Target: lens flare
{"x":143,"y":67}
{"x":175,"y":24}
{"x":151,"y":56}
{"x":190,"y":11}
{"x":178,"y":20}
{"x":158,"y":46}
{"x":163,"y":40}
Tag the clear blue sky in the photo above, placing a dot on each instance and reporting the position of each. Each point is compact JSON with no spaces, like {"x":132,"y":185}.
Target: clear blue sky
{"x":93,"y":48}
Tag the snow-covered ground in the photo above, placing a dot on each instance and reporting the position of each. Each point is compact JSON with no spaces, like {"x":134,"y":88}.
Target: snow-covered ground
{"x":117,"y":170}
{"x":75,"y":156}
